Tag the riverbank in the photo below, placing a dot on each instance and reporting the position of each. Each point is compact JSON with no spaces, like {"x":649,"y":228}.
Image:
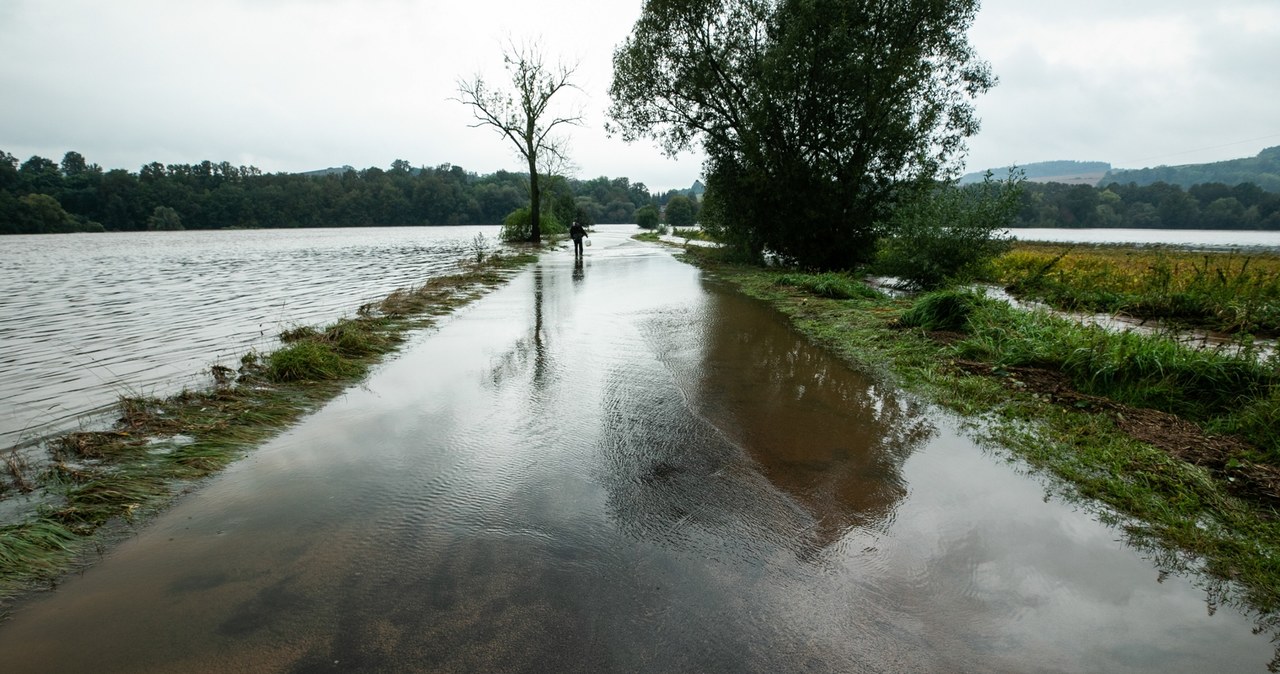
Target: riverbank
{"x":1207,"y":496}
{"x":62,"y":497}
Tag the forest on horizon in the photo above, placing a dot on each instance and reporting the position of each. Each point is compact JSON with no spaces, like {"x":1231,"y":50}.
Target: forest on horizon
{"x":1156,"y":206}
{"x":44,"y":196}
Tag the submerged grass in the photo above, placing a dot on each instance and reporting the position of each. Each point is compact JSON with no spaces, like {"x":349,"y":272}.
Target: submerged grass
{"x":39,"y":547}
{"x":1101,"y":426}
{"x":92,"y":479}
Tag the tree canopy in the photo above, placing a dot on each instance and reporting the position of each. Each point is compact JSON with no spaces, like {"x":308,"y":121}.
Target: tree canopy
{"x":647,"y":217}
{"x":680,"y":211}
{"x":815,"y":115}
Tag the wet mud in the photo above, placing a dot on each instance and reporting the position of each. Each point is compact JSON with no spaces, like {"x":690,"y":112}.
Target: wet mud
{"x":622,"y":466}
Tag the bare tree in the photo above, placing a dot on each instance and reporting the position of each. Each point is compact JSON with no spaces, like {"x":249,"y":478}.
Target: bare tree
{"x":522,"y":114}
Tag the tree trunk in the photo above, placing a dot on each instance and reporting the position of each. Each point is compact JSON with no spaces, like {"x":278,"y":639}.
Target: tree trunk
{"x":535,"y":202}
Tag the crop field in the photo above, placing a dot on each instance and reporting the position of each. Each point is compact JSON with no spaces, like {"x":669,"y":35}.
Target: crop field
{"x":1231,"y":292}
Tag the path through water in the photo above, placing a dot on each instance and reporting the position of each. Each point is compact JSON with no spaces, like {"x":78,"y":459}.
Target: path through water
{"x":622,"y":466}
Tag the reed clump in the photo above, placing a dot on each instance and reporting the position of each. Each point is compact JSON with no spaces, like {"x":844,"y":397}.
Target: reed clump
{"x":829,"y":284}
{"x":90,"y":479}
{"x":949,"y":310}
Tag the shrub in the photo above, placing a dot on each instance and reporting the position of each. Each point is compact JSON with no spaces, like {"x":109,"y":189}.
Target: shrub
{"x":681,"y":211}
{"x":479,"y":247}
{"x":647,"y":217}
{"x":164,"y":219}
{"x":942,"y":238}
{"x":517,"y":226}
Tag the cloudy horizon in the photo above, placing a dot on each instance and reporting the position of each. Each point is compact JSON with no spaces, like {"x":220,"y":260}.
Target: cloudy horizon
{"x":292,"y":85}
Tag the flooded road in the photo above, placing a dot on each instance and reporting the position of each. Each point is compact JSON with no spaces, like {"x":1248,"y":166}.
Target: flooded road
{"x":624,"y":467}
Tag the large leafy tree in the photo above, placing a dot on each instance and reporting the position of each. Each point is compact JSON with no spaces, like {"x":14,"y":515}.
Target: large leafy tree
{"x":680,"y":211}
{"x":523,"y":113}
{"x":816,"y":116}
{"x":8,"y":171}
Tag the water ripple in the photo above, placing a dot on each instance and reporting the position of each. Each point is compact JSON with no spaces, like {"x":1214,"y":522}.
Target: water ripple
{"x":90,"y":317}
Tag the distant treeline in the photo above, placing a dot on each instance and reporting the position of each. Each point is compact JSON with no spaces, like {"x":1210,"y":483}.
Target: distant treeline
{"x":40,"y":196}
{"x":1160,"y":205}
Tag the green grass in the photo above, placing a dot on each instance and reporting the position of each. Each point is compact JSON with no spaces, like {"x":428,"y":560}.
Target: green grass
{"x":1227,"y":292}
{"x":95,"y":478}
{"x":944,"y":310}
{"x":1223,"y":392}
{"x":829,"y":284}
{"x":309,"y":360}
{"x":38,"y":548}
{"x":1187,"y":517}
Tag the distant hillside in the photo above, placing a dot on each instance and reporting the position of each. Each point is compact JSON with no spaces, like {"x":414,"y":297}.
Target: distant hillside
{"x":1062,"y":171}
{"x":694,"y":191}
{"x":1262,"y":170}
{"x":328,"y":171}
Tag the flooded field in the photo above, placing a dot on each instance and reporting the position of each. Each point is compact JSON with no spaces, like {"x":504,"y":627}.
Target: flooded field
{"x":90,"y":317}
{"x":621,"y":466}
{"x":1202,"y":239}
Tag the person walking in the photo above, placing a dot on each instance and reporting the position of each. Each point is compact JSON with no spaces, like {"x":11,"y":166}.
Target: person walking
{"x":576,"y":232}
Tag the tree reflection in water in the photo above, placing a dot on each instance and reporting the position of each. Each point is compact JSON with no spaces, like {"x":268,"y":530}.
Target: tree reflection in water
{"x":744,"y":432}
{"x":532,"y":350}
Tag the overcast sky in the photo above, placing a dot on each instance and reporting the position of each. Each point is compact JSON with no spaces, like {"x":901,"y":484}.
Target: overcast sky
{"x":295,"y":85}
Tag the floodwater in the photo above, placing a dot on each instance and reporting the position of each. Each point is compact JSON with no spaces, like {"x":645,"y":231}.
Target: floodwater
{"x":622,"y":466}
{"x":1204,"y":239}
{"x":90,"y":317}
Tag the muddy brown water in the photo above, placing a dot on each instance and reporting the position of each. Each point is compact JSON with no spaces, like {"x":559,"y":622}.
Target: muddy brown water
{"x":624,"y":467}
